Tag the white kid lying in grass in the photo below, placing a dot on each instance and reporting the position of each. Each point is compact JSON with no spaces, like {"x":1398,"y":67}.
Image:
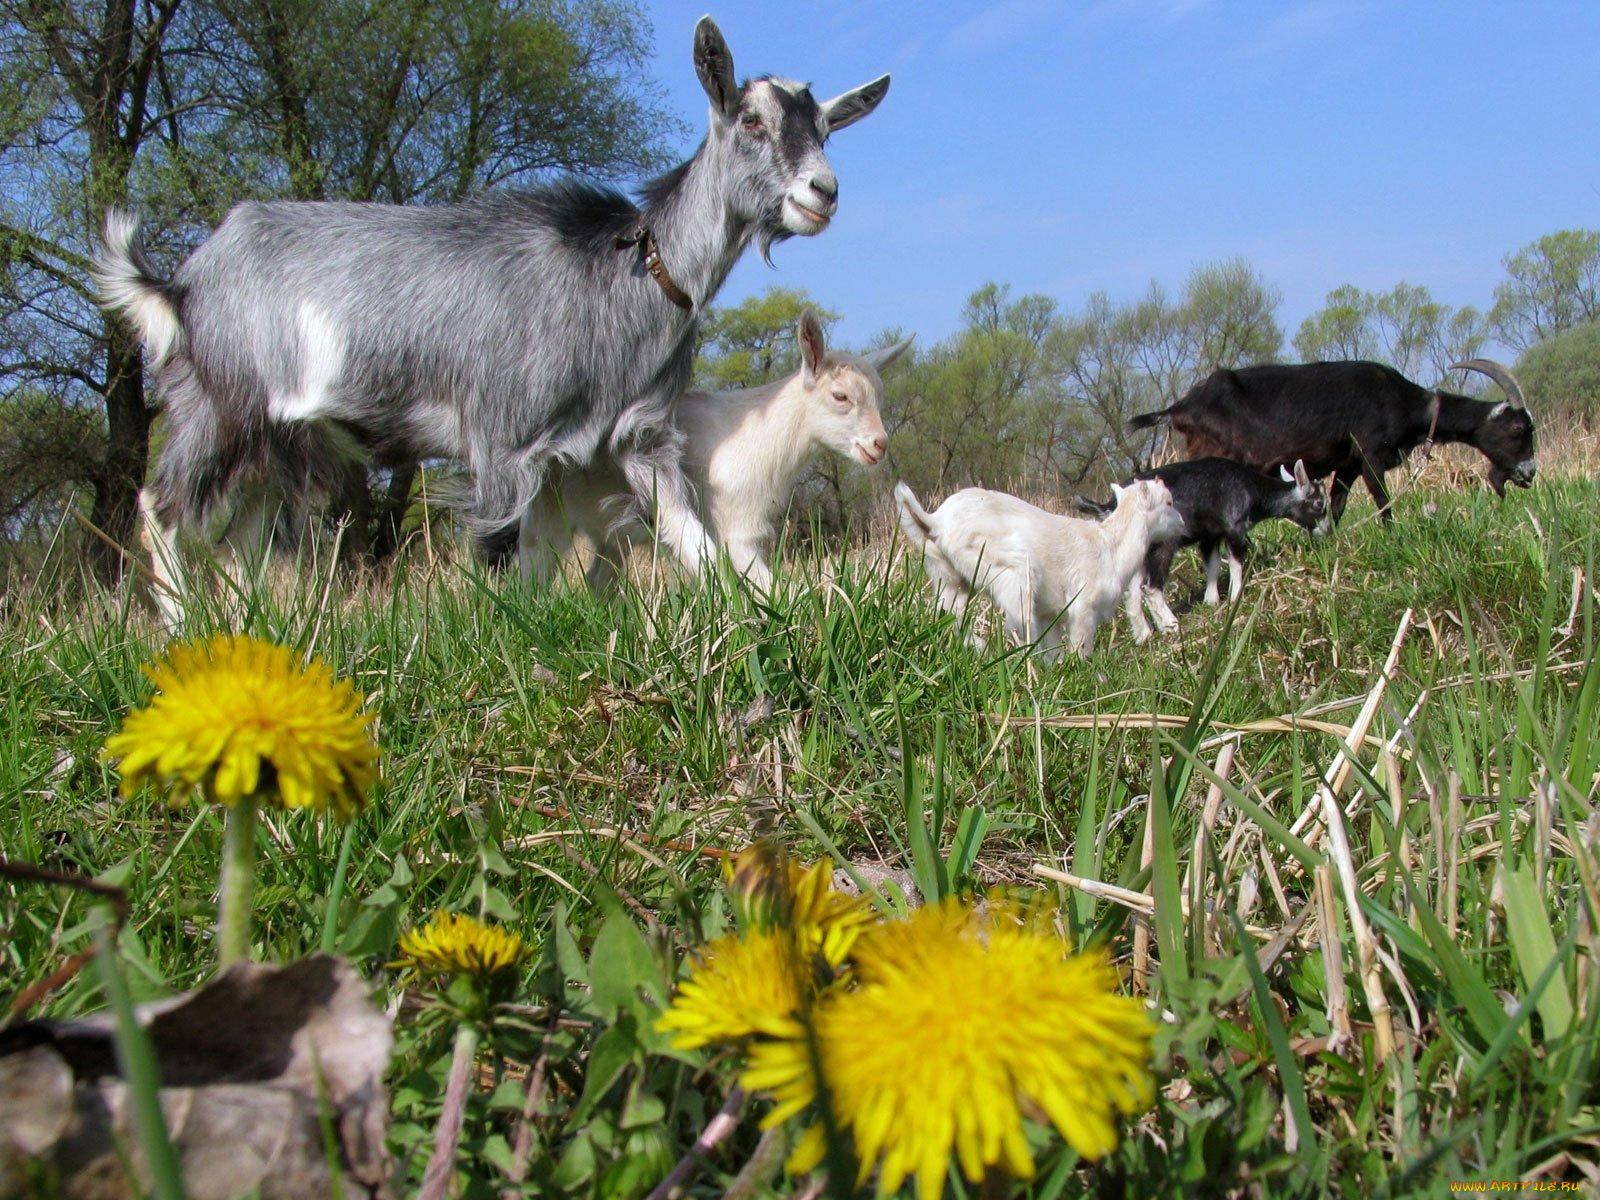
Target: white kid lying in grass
{"x":1052,"y":577}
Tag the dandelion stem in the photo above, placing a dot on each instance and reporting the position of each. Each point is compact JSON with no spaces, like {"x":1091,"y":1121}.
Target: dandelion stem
{"x":238,"y":882}
{"x":713,"y":1135}
{"x":447,"y":1134}
{"x":532,"y":1102}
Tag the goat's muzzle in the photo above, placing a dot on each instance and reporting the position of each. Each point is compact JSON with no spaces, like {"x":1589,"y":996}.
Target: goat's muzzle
{"x":1522,"y":475}
{"x":871,"y":454}
{"x":811,"y":216}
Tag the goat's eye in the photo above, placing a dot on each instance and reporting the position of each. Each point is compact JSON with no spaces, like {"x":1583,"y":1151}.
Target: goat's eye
{"x":753,"y":124}
{"x":841,"y":399}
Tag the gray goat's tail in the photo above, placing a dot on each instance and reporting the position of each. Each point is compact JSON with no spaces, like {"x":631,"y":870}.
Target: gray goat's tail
{"x":1093,"y":508}
{"x":914,"y":519}
{"x":1146,"y":420}
{"x":130,"y":284}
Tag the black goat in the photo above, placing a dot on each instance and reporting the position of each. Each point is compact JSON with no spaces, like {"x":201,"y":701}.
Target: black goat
{"x":1349,"y":420}
{"x":1220,"y":501}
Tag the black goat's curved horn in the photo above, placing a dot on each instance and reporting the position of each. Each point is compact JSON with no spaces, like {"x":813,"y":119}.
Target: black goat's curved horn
{"x":1498,"y":372}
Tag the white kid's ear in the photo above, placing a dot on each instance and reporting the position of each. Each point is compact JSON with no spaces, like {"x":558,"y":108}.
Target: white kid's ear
{"x":849,"y":107}
{"x":713,"y":63}
{"x":879,"y":359}
{"x":813,"y":349}
{"x":1116,"y":492}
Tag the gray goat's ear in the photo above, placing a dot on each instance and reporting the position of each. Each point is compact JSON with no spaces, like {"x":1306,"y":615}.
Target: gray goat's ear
{"x":849,"y":107}
{"x":813,"y":347}
{"x":713,"y":62}
{"x":881,"y":358}
{"x":1301,"y":475}
{"x":1283,"y":474}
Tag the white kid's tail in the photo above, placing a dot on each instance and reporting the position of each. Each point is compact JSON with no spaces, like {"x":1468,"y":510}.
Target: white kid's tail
{"x":129,"y":284}
{"x":914,"y":519}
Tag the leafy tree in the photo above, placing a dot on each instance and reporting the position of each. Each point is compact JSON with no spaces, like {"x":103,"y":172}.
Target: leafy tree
{"x":752,"y":342}
{"x":87,"y":104}
{"x":1340,"y":329}
{"x":1561,"y":375}
{"x":1405,"y":327}
{"x":967,"y":410}
{"x":1118,"y":362}
{"x":1106,"y":377}
{"x":434,"y":99}
{"x":1552,"y":285}
{"x":1229,"y":317}
{"x":47,"y":450}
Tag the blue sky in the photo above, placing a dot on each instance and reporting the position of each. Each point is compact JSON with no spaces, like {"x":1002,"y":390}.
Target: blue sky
{"x":1069,"y":147}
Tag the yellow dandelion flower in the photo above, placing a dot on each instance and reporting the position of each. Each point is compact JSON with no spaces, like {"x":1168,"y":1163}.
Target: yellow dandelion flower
{"x":958,"y":1026}
{"x":741,"y":985}
{"x":245,"y":720}
{"x":772,"y":891}
{"x":827,"y":921}
{"x":453,"y":944}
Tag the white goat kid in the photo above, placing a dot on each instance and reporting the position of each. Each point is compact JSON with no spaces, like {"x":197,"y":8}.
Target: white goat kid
{"x":743,"y":451}
{"x":1051,"y":576}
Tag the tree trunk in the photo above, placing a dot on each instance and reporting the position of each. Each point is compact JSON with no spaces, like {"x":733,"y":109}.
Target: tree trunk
{"x":121,"y":474}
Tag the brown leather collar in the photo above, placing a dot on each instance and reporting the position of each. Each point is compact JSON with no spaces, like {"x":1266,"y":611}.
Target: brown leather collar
{"x":1431,"y":440}
{"x":654,"y":265}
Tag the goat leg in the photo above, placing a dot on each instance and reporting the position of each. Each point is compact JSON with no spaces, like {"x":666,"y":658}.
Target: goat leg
{"x":1213,"y":574}
{"x":1133,"y":602}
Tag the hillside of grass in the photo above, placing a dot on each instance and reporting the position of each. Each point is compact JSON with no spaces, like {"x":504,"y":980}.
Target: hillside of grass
{"x":561,"y":763}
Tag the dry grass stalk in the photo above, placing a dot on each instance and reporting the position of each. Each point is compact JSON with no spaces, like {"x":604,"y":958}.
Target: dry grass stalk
{"x":1141,"y":928}
{"x":1544,"y":803}
{"x":1583,"y":842}
{"x":1338,"y":773}
{"x":1338,"y":1007}
{"x":1141,"y":903}
{"x":1109,"y":722}
{"x":1399,"y":803}
{"x":1451,"y":848}
{"x":1568,"y":627}
{"x":1194,"y":875}
{"x":1339,"y":852}
{"x":1273,"y":880}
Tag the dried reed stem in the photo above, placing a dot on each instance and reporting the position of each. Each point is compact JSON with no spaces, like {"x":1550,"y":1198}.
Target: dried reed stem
{"x":1339,"y":852}
{"x":1338,"y":772}
{"x":1338,"y":1006}
{"x":1141,"y":928}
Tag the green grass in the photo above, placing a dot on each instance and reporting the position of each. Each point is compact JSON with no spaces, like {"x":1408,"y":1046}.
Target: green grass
{"x":850,"y":718}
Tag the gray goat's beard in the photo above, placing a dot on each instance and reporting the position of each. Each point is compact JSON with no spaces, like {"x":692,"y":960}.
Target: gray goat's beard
{"x":772,"y":231}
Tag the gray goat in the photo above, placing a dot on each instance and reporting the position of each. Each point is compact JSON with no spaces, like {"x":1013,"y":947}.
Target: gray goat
{"x":508,"y":333}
